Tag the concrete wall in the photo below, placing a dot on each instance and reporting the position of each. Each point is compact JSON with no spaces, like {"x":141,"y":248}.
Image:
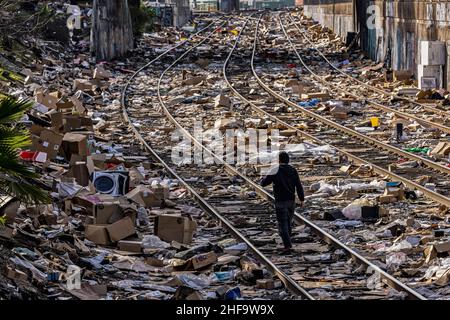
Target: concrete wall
{"x":181,"y":12}
{"x":336,"y":16}
{"x":403,"y":24}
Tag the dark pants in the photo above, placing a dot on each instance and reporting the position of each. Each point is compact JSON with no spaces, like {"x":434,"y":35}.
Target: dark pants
{"x":285,"y":215}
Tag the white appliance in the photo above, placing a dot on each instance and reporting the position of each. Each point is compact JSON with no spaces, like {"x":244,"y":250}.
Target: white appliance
{"x":115,"y":183}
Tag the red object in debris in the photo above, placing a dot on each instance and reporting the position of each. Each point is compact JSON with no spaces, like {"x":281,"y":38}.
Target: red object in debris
{"x":110,"y":165}
{"x":219,"y":30}
{"x":448,"y":165}
{"x":291,"y":65}
{"x":27,"y":155}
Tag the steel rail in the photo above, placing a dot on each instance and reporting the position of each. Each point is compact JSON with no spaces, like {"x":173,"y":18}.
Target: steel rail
{"x":379,"y":170}
{"x":429,"y":163}
{"x":289,"y":283}
{"x":391,"y":281}
{"x":428,"y":193}
{"x":373,"y":88}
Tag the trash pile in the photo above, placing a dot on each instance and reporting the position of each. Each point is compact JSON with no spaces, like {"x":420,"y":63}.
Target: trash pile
{"x":117,"y":227}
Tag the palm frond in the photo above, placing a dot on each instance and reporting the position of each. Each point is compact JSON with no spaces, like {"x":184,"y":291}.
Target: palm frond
{"x":10,"y":166}
{"x":16,"y":179}
{"x":12,"y":137}
{"x":12,"y":109}
{"x":24,"y":191}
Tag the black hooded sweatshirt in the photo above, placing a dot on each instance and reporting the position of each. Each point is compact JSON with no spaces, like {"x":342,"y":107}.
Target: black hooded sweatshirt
{"x":285,"y":181}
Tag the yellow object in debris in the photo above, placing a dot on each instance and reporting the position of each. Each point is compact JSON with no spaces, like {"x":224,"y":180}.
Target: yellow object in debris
{"x":183,"y":39}
{"x":375,"y":122}
{"x":235,"y":32}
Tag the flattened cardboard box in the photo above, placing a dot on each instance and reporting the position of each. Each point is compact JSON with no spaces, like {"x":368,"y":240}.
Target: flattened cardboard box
{"x":175,"y":228}
{"x":6,"y":232}
{"x":121,"y":229}
{"x":202,"y":260}
{"x":130,"y":246}
{"x":15,"y":274}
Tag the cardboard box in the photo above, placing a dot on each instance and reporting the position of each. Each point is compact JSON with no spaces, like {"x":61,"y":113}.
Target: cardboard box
{"x":49,"y":142}
{"x":64,"y":105}
{"x":9,"y":207}
{"x":130,"y":246}
{"x":316,"y":95}
{"x":203,"y":260}
{"x":80,"y":172}
{"x":77,"y":123}
{"x":432,"y":52}
{"x":395,"y":192}
{"x":48,"y":219}
{"x":74,"y":144}
{"x":97,"y":234}
{"x":426,"y":74}
{"x":174,"y":228}
{"x":267,"y":284}
{"x":47,"y":100}
{"x":88,"y":202}
{"x":288,"y":133}
{"x":402,"y":75}
{"x":222,"y":101}
{"x":194,"y":81}
{"x":145,"y":197}
{"x":6,"y":232}
{"x":56,"y":119}
{"x":299,"y":89}
{"x":121,"y":229}
{"x":101,"y":73}
{"x":442,"y":247}
{"x":387,"y":199}
{"x":83,"y":85}
{"x":441,"y":150}
{"x":78,"y":105}
{"x":154,"y":262}
{"x":15,"y":274}
{"x":107,"y":213}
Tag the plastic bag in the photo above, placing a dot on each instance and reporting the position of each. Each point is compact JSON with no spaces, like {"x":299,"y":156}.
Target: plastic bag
{"x":353,"y":210}
{"x":193,"y":281}
{"x":374,"y":281}
{"x":400,"y":246}
{"x":327,"y":188}
{"x":395,"y":259}
{"x":152,"y":241}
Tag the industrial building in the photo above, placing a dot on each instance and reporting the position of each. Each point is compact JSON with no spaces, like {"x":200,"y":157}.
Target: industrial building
{"x":394,"y":31}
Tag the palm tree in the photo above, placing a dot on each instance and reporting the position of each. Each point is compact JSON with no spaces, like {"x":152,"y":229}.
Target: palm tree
{"x":16,"y":179}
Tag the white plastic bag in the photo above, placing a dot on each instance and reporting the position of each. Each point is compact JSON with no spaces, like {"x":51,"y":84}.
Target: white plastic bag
{"x":152,"y":241}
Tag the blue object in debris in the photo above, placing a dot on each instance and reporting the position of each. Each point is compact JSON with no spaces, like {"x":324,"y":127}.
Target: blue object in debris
{"x":224,"y":275}
{"x":310,"y":103}
{"x":233,"y":294}
{"x":393,"y":184}
{"x":53,"y":276}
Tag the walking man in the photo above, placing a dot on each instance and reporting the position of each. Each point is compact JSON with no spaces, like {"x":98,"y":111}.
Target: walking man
{"x":285,"y":181}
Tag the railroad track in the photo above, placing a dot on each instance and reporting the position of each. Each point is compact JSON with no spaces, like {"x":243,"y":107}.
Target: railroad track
{"x":202,"y":181}
{"x":164,"y":160}
{"x":299,"y":218}
{"x":253,"y":208}
{"x":358,"y":149}
{"x":373,"y":108}
{"x":412,"y":103}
